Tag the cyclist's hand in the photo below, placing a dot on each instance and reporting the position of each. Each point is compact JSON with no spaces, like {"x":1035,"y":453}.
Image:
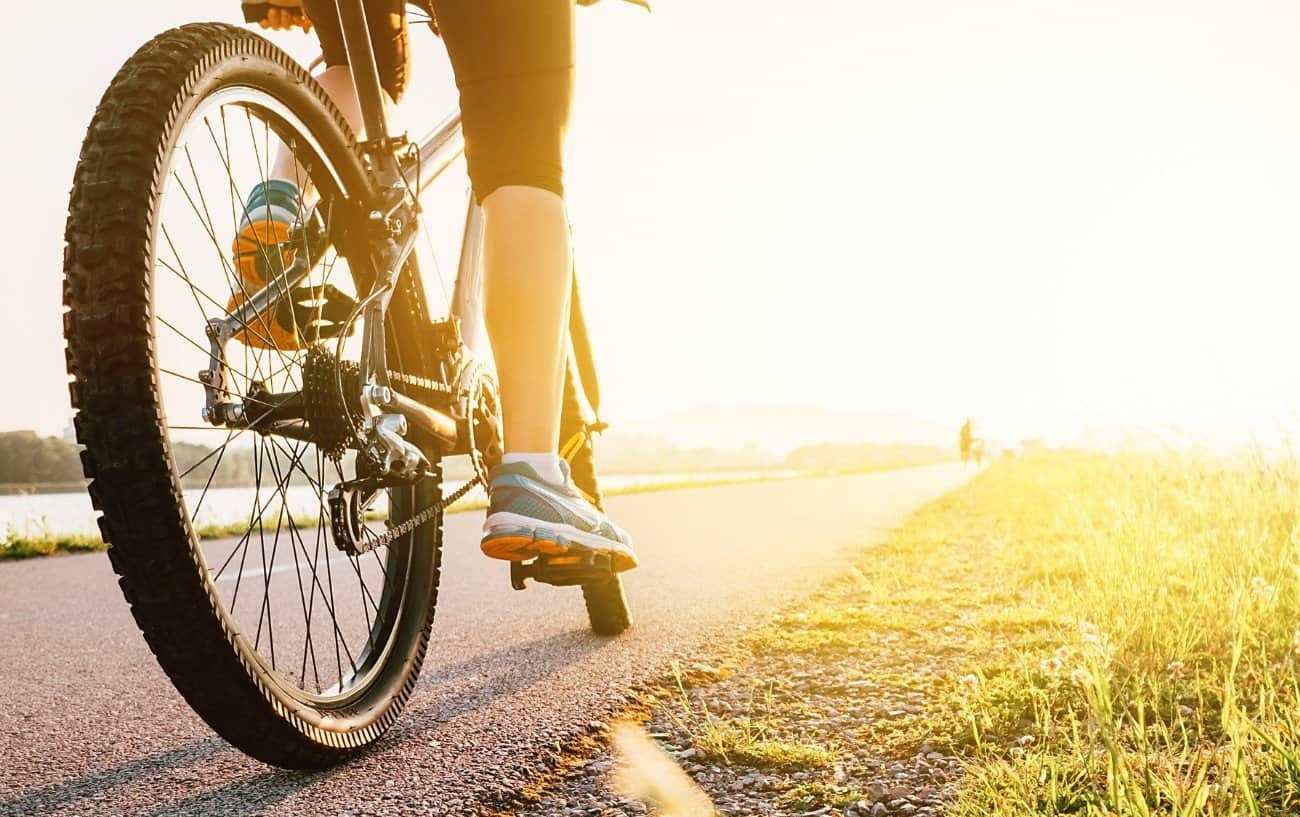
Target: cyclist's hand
{"x":280,"y":15}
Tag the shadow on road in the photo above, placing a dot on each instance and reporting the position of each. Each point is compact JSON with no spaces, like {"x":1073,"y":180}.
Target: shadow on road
{"x":89,"y":785}
{"x":470,"y":686}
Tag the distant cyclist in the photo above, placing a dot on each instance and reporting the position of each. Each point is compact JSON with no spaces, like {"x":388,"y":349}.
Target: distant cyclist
{"x":514,"y":67}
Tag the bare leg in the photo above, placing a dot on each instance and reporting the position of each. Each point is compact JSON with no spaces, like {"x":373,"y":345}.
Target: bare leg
{"x":337,"y":82}
{"x":527,"y":267}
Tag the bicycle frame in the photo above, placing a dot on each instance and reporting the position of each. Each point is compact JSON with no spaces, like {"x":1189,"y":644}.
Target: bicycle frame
{"x":437,"y":150}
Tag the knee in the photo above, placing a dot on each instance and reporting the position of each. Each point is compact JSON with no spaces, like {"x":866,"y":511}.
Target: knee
{"x":512,"y":201}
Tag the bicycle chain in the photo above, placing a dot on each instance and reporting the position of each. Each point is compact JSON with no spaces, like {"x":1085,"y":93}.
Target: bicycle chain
{"x":400,"y":529}
{"x":415,"y":381}
{"x":397,"y":531}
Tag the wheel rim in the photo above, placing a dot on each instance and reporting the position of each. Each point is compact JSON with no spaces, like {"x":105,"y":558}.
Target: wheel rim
{"x":318,"y":622}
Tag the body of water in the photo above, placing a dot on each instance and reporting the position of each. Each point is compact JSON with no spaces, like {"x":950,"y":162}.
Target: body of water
{"x":36,"y":513}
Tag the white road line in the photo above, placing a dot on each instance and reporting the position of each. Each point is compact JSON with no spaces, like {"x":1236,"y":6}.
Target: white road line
{"x":257,"y":571}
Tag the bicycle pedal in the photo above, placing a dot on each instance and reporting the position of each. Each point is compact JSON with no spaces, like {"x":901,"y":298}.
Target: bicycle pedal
{"x":563,"y":571}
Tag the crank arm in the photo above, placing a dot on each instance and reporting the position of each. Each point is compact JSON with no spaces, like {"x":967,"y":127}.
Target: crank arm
{"x":218,"y":408}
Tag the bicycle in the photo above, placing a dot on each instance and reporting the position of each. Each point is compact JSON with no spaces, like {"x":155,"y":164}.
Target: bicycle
{"x":341,"y":436}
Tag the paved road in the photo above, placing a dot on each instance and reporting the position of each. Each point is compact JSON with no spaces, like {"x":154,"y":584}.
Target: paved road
{"x":90,"y":725}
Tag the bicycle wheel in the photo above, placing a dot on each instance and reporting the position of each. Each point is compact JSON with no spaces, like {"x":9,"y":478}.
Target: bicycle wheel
{"x":296,"y":652}
{"x":607,"y":607}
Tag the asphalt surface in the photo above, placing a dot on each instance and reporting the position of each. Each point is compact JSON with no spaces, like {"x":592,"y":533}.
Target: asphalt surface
{"x":90,"y":725}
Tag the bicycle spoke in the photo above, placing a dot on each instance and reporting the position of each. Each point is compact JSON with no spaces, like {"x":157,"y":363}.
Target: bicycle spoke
{"x":261,"y":539}
{"x":295,"y":457}
{"x":309,"y":604}
{"x":366,"y":532}
{"x":197,"y":291}
{"x":238,"y":280}
{"x":200,"y":347}
{"x":259,"y":514}
{"x":211,"y":474}
{"x":238,"y":433}
{"x":225,"y":160}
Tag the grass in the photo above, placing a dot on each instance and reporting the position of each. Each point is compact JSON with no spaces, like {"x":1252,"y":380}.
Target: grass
{"x":745,"y":741}
{"x":750,"y":743}
{"x":818,"y":794}
{"x":25,"y":544}
{"x":1152,"y":665}
{"x":810,"y":641}
{"x":1120,"y":635}
{"x":648,"y":775}
{"x":35,"y":539}
{"x":1170,"y":683}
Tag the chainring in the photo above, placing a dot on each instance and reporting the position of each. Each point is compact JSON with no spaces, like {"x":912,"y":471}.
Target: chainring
{"x":482,"y":405}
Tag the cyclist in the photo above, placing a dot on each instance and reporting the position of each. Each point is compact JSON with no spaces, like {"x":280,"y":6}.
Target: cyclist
{"x":965,"y":439}
{"x":514,"y":67}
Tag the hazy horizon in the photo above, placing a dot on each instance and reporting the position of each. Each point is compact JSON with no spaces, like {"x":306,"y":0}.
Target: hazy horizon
{"x":775,"y":429}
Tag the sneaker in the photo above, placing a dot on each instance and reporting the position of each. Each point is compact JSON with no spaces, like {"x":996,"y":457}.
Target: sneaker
{"x":529,"y":517}
{"x":269,"y":216}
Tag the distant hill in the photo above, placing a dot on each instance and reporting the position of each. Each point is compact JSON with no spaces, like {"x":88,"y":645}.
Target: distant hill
{"x":776,"y":429}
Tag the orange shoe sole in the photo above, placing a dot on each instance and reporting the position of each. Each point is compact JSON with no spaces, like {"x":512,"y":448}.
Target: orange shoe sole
{"x":526,"y":546}
{"x":246,"y":249}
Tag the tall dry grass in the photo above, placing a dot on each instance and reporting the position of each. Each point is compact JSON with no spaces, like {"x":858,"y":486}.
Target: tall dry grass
{"x":1162,"y":676}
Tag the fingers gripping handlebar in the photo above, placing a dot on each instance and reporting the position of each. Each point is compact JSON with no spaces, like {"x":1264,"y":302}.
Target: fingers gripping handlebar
{"x":257,"y":12}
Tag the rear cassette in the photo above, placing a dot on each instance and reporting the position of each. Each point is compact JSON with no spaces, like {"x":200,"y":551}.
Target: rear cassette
{"x":331,"y":401}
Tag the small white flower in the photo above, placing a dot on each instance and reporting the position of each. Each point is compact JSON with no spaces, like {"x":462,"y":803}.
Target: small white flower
{"x":1260,"y":588}
{"x":1177,"y":670}
{"x":969,"y":683}
{"x":1051,"y":666}
{"x":1081,"y":677}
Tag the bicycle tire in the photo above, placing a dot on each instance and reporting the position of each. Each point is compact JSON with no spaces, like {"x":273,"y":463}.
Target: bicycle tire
{"x":110,"y":328}
{"x":606,"y":600}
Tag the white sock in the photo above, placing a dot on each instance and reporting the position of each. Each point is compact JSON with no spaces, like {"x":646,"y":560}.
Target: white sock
{"x":546,"y":465}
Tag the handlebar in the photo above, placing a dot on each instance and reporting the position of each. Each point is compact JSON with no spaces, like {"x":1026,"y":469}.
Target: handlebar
{"x":256,"y":12}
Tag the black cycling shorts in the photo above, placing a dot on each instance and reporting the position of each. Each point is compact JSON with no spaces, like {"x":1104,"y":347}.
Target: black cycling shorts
{"x":513,"y":61}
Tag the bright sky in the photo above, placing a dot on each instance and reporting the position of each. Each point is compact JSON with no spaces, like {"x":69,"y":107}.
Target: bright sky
{"x":1047,"y":214}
